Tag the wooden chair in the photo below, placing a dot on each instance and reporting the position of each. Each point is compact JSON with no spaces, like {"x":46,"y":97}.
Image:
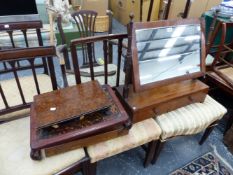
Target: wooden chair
{"x":225,"y":71}
{"x":85,"y":21}
{"x":141,"y":133}
{"x":85,"y":30}
{"x":106,"y":74}
{"x":22,"y":35}
{"x":20,"y":83}
{"x":17,"y":94}
{"x":220,"y":74}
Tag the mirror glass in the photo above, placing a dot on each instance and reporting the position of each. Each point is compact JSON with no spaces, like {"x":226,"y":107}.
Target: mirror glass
{"x":168,"y":52}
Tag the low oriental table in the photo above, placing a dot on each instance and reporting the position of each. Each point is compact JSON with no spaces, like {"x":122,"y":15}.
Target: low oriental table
{"x":75,"y":117}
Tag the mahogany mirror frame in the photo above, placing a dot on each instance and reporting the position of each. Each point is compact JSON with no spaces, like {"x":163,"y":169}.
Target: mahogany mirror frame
{"x":164,"y":23}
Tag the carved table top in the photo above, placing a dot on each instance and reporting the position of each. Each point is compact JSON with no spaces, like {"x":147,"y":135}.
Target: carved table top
{"x":64,"y":104}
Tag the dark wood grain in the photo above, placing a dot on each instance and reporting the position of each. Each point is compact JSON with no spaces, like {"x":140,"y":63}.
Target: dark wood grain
{"x":70,"y":102}
{"x":112,"y":119}
{"x":84,"y":142}
{"x":21,"y":25}
{"x":21,"y":53}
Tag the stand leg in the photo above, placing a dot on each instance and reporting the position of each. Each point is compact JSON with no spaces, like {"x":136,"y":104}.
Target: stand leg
{"x":92,"y":168}
{"x":206,"y":134}
{"x":229,"y":121}
{"x":149,"y":153}
{"x":158,"y":149}
{"x":35,"y":155}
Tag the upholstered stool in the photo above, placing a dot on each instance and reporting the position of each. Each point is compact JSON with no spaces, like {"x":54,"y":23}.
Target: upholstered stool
{"x":111,"y":78}
{"x":15,"y":153}
{"x":141,"y":133}
{"x":11,"y":92}
{"x":190,"y":119}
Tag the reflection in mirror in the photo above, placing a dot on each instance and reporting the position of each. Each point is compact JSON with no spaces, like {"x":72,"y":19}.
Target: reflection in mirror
{"x":165,"y":53}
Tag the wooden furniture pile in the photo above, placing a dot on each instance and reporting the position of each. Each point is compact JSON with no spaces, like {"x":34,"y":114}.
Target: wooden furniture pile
{"x":88,"y":122}
{"x":220,"y":76}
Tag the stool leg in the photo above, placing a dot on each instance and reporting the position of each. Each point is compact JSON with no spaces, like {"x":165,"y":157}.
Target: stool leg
{"x":149,"y":153}
{"x":229,"y":121}
{"x":86,"y":167}
{"x":158,"y":149}
{"x":92,"y":168}
{"x":206,"y":134}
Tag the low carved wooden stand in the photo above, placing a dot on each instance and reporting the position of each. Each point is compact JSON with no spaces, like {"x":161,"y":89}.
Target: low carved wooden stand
{"x":75,"y":117}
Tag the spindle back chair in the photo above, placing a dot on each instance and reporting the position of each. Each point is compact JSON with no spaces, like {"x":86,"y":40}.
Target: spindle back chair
{"x":18,"y":86}
{"x":85,"y":21}
{"x":104,"y":76}
{"x":20,"y":35}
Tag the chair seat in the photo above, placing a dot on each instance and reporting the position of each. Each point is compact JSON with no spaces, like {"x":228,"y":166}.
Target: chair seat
{"x":228,"y":72}
{"x":190,"y":119}
{"x":101,"y":79}
{"x":13,"y":97}
{"x":140,"y":133}
{"x":15,"y":152}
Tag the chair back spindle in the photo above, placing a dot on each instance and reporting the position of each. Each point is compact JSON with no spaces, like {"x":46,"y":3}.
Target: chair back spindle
{"x":11,"y":38}
{"x":28,"y":81}
{"x":95,"y":75}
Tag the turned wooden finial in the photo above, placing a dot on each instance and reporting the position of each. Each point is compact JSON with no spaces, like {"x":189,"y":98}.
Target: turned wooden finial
{"x":217,"y":10}
{"x":131,"y":16}
{"x":109,"y":12}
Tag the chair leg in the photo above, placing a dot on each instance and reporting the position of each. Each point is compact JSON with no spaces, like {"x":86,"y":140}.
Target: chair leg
{"x":86,"y":168}
{"x":229,"y":121}
{"x":149,"y":153}
{"x":157,"y":151}
{"x":92,"y":168}
{"x":206,"y":134}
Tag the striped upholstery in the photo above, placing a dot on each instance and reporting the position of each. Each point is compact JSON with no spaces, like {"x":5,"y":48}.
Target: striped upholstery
{"x":13,"y":97}
{"x":15,"y":152}
{"x":140,"y":133}
{"x":111,"y":78}
{"x":190,"y":119}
